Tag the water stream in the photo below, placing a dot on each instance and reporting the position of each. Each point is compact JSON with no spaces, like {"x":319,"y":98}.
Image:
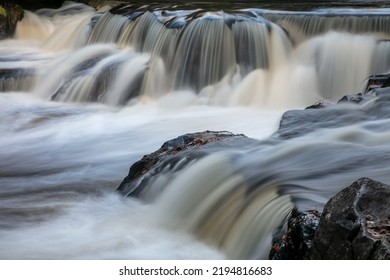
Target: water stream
{"x":86,"y":93}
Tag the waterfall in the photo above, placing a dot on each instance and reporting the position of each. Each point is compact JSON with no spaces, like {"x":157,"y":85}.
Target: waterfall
{"x":219,"y":208}
{"x":301,"y":26}
{"x":85,"y":93}
{"x":219,"y":55}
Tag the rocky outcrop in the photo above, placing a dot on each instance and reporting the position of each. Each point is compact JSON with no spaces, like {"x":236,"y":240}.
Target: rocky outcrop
{"x":355,"y":224}
{"x":376,"y":101}
{"x":10,"y":14}
{"x":176,"y":154}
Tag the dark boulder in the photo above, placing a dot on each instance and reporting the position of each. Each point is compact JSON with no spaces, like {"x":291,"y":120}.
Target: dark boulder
{"x":355,"y":224}
{"x":297,"y":242}
{"x":10,"y":14}
{"x":175,"y":155}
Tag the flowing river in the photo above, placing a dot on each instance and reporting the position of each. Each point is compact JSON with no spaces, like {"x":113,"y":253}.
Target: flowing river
{"x":85,"y":93}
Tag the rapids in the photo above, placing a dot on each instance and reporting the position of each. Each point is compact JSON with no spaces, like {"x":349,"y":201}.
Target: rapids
{"x":86,"y":93}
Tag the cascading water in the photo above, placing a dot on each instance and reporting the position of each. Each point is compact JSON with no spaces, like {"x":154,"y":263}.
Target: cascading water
{"x":86,"y":93}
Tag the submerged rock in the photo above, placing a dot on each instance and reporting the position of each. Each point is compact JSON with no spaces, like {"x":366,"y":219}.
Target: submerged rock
{"x":355,"y":224}
{"x":10,"y":14}
{"x":175,"y":155}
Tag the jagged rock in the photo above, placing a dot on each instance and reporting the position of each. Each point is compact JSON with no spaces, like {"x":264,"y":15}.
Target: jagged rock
{"x":176,"y":154}
{"x":10,"y":14}
{"x":355,"y":223}
{"x":296,"y":243}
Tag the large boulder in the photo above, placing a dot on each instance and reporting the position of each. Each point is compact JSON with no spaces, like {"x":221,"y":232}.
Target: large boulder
{"x":10,"y":14}
{"x":355,"y":224}
{"x":174,"y":155}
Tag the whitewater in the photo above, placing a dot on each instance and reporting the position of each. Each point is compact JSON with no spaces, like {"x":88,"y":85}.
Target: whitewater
{"x":86,"y":93}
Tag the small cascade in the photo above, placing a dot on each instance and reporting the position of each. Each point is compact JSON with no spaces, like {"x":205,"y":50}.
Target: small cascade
{"x":196,"y":52}
{"x":302,"y":26}
{"x":380,"y":62}
{"x":89,"y":74}
{"x":16,"y":80}
{"x":71,"y":34}
{"x":18,"y":69}
{"x":247,"y":57}
{"x":339,"y":63}
{"x":107,"y":28}
{"x":221,"y":54}
{"x":237,"y":201}
{"x":66,"y":24}
{"x":33,"y":27}
{"x":221,"y":208}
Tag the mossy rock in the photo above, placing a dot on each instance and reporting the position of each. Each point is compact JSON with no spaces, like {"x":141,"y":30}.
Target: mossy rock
{"x":3,"y":12}
{"x":10,"y":14}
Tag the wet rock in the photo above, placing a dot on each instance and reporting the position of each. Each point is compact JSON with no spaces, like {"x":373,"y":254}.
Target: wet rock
{"x":10,"y":14}
{"x":296,"y":123}
{"x":356,"y":98}
{"x":377,"y":81}
{"x":375,"y":104}
{"x":355,"y":224}
{"x":318,"y":105}
{"x":296,"y":243}
{"x":372,"y":86}
{"x":174,"y":155}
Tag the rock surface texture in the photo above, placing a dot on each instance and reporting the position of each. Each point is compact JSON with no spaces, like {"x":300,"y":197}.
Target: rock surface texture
{"x":355,"y":224}
{"x":297,"y":242}
{"x":10,"y":14}
{"x":175,"y":155}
